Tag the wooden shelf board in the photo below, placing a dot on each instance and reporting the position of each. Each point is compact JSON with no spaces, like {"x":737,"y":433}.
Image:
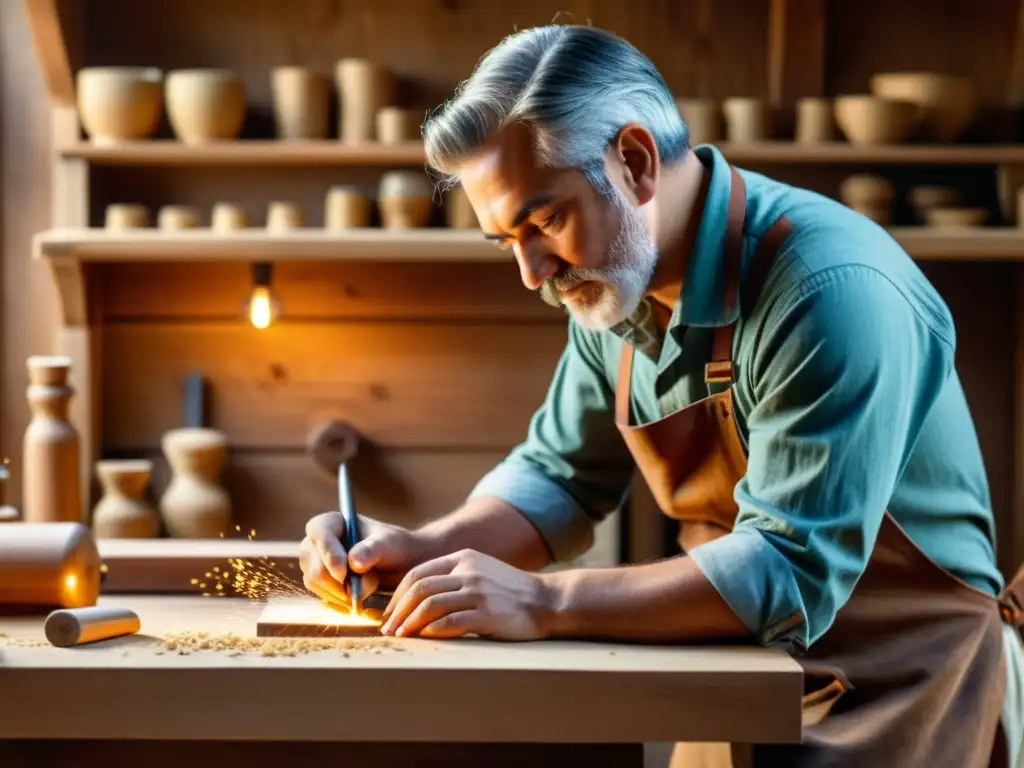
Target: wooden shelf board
{"x":243,"y":152}
{"x":423,"y":245}
{"x":312,"y":244}
{"x":334,"y":152}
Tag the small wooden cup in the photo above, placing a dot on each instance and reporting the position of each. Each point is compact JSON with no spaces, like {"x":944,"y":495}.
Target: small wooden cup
{"x":283,"y":216}
{"x":703,"y":118}
{"x":227,"y":217}
{"x":302,"y":103}
{"x":346,"y":207}
{"x":815,"y":120}
{"x":173,"y":217}
{"x":120,"y":216}
{"x":746,"y":119}
{"x":396,"y":125}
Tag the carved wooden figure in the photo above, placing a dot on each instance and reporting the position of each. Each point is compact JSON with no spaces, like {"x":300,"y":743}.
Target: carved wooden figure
{"x":50,"y":489}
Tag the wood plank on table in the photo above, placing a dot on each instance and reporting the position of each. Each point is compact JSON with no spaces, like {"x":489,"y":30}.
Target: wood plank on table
{"x":454,"y":691}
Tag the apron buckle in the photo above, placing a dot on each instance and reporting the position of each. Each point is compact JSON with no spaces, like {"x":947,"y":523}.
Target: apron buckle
{"x":718,"y":372}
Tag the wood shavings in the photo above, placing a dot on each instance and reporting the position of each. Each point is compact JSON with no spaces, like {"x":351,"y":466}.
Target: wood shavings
{"x":184,"y":643}
{"x":22,"y":642}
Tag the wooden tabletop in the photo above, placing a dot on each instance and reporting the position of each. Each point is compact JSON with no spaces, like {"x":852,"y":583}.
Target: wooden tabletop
{"x":157,"y":685}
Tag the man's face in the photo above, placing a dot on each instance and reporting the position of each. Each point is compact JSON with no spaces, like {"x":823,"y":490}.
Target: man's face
{"x":592,"y":254}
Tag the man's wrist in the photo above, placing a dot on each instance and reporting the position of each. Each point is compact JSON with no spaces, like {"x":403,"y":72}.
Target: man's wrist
{"x":555,"y":617}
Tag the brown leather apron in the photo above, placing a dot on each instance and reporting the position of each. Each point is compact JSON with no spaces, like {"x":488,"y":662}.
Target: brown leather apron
{"x":911,"y":673}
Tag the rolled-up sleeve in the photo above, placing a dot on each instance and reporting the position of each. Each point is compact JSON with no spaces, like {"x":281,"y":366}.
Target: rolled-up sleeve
{"x":573,"y":468}
{"x":844,"y":375}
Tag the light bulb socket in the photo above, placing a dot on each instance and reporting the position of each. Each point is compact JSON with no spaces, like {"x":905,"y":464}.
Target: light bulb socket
{"x":261,"y":273}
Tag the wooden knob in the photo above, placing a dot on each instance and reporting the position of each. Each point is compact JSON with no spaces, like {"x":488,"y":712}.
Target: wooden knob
{"x":332,"y":443}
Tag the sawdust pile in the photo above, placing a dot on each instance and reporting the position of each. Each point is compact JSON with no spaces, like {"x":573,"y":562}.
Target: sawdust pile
{"x":21,"y":642}
{"x":184,"y":643}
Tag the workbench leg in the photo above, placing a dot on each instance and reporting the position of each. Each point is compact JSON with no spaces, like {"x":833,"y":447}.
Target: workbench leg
{"x":88,"y":753}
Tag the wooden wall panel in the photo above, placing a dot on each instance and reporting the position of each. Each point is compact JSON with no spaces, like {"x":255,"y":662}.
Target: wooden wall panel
{"x":276,"y":493}
{"x":28,"y":305}
{"x":324,"y":291}
{"x":399,"y":385}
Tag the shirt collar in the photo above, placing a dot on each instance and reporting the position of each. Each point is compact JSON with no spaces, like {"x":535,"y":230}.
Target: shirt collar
{"x":700,"y":303}
{"x":704,"y":283}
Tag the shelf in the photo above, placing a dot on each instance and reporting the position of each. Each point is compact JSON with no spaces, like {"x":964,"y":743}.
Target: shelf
{"x":431,"y":244}
{"x":332,"y":152}
{"x":371,"y":244}
{"x":252,"y":153}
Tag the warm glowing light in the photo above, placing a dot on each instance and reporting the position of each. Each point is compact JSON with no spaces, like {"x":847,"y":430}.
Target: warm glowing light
{"x":320,"y":614}
{"x":71,"y":586}
{"x":261,"y":307}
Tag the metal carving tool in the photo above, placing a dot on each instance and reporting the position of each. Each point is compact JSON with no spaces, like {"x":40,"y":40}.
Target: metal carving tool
{"x":333,"y":444}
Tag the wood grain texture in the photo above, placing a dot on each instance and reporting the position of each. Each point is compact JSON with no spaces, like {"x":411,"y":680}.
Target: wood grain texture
{"x":275,"y":494}
{"x":399,"y":384}
{"x":454,"y":691}
{"x":158,"y":753}
{"x":28,"y":302}
{"x":322,"y":291}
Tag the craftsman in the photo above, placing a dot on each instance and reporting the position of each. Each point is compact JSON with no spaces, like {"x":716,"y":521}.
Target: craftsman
{"x":780,"y":372}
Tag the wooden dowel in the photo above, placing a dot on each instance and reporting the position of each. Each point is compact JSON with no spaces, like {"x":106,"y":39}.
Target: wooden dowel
{"x":67,"y":627}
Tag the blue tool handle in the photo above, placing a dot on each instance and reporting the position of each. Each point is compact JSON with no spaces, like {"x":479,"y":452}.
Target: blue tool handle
{"x":348,"y":512}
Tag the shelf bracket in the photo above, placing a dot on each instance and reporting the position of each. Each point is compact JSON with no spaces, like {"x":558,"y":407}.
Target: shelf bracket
{"x":49,"y":21}
{"x":796,"y":50}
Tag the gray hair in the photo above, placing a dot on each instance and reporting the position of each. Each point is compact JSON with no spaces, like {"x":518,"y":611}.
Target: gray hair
{"x":574,"y":86}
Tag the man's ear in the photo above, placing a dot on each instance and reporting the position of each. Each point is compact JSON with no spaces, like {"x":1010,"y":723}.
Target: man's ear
{"x":634,"y":154}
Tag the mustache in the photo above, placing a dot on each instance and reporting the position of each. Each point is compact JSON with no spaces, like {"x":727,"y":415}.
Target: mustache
{"x":552,"y":287}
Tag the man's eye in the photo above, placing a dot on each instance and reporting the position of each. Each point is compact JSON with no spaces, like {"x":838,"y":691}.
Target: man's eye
{"x":553,"y":220}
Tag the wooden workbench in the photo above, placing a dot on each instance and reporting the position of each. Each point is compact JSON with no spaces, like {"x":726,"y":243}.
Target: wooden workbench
{"x":437,"y":701}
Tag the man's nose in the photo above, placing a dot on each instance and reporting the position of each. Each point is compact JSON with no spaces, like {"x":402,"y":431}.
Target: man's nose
{"x":536,"y":264}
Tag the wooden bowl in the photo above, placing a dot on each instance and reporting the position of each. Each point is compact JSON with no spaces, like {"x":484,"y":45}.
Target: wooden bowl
{"x":870,"y":120}
{"x":119,"y":103}
{"x":205,"y":104}
{"x":955,"y":217}
{"x":926,"y":197}
{"x":946,"y":103}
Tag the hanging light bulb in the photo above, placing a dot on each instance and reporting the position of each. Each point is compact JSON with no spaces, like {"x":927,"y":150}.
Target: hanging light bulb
{"x":262,"y":307}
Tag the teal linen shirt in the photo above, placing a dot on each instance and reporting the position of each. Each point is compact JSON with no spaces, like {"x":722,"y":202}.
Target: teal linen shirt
{"x":847,"y":400}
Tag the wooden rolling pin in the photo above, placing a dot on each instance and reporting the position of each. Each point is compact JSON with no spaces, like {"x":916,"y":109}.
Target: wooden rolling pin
{"x":48,"y":565}
{"x":77,"y":626}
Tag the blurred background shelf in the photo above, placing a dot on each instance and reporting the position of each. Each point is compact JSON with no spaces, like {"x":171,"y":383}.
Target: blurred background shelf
{"x":333,"y":152}
{"x":432,"y":244}
{"x":370,"y":244}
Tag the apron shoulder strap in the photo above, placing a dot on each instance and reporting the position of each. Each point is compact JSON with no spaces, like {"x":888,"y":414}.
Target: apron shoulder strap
{"x":721,"y":370}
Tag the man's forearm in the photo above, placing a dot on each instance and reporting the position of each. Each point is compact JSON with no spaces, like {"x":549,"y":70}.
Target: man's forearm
{"x":666,"y":601}
{"x":489,"y":525}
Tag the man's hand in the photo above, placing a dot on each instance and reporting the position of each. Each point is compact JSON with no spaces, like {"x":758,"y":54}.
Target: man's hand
{"x":383,"y":556}
{"x":470,"y":593}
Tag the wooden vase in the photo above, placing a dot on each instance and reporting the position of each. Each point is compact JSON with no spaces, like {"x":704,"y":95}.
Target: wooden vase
{"x":405,"y":200}
{"x":194,"y":505}
{"x":302,"y":103}
{"x":123,"y":512}
{"x":869,"y":195}
{"x":51,"y":486}
{"x":346,"y":207}
{"x":363,"y":89}
{"x":49,"y":564}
